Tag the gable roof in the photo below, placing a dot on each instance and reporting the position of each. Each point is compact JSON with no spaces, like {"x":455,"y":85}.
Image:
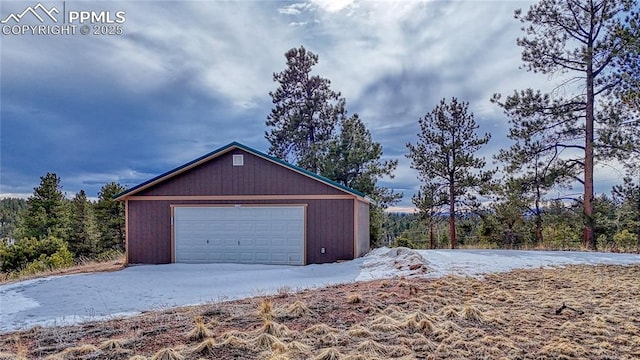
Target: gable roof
{"x":225,"y":149}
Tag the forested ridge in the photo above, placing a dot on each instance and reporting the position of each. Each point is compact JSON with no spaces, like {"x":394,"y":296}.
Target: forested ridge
{"x":49,"y":231}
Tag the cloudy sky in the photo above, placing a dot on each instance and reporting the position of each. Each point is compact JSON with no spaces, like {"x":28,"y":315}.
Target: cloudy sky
{"x":187,"y":77}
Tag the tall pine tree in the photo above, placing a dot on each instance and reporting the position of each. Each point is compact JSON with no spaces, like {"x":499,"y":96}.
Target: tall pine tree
{"x":110,"y":217}
{"x":306,"y":111}
{"x":308,"y":127}
{"x":445,"y":158}
{"x":47,"y":211}
{"x":353,"y":159}
{"x":590,"y":43}
{"x":83,"y":236}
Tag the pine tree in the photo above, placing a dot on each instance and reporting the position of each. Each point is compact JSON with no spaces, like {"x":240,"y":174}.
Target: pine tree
{"x":84,"y":236}
{"x":445,"y":160}
{"x":306,"y":112}
{"x":593,"y":42}
{"x":110,"y":216}
{"x":10,"y":209}
{"x":354,"y":160}
{"x":47,"y":211}
{"x":629,"y":193}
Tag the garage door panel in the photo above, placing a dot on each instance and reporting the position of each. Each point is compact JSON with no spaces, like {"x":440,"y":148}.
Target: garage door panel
{"x":268,"y":235}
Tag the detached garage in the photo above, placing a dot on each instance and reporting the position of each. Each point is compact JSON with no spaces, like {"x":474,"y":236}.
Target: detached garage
{"x":238,"y":205}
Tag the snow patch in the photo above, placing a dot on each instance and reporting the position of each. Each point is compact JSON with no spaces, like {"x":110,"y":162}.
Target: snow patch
{"x":385,"y":263}
{"x":12,"y":302}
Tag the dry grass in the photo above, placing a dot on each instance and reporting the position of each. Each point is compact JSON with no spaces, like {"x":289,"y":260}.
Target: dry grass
{"x":320,"y":329}
{"x":503,"y":316}
{"x":272,"y":328}
{"x":329,"y":354}
{"x":200,"y":331}
{"x":83,"y":267}
{"x":167,"y":354}
{"x":360,"y":331}
{"x":265,"y":310}
{"x":354,"y":299}
{"x":297,"y":309}
{"x":206,"y":347}
{"x":266,"y":341}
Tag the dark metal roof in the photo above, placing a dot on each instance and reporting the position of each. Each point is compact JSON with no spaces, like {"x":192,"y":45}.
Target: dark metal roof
{"x":225,"y":149}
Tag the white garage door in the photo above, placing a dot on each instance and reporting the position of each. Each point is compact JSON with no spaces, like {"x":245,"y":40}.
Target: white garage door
{"x":262,"y":235}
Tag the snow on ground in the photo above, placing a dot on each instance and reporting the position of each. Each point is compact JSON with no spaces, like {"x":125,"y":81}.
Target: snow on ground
{"x":60,"y":300}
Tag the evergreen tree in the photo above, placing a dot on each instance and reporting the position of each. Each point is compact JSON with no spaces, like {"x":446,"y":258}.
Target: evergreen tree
{"x":111,"y":218}
{"x":629,"y":193}
{"x":513,"y":202}
{"x":428,"y":201}
{"x":536,"y":154}
{"x":353,"y":159}
{"x":445,"y":160}
{"x":47,"y":211}
{"x":309,"y":127}
{"x":306,"y":112}
{"x":10,"y":209}
{"x":593,"y":41}
{"x":84,"y":236}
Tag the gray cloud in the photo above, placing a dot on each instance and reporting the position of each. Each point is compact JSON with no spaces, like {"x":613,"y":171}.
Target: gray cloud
{"x":188,"y":77}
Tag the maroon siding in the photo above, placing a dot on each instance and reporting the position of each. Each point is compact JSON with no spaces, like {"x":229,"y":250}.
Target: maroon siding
{"x":256,"y":177}
{"x":329,"y":225}
{"x":149,"y":232}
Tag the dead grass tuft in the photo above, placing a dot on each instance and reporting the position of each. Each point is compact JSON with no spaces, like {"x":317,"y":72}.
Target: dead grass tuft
{"x":111,"y":344}
{"x":329,"y":339}
{"x":320,"y":329}
{"x":394,"y":311}
{"x":419,"y":326}
{"x":138,"y":357}
{"x":562,"y":349}
{"x":445,"y":329}
{"x":206,"y":347}
{"x":79,"y":350}
{"x":372,"y":348}
{"x":419,"y":316}
{"x":421,"y":344}
{"x":354,"y":299}
{"x":387,"y":294}
{"x":200,"y":331}
{"x":232,"y":342}
{"x":298,"y":309}
{"x":266,"y":341}
{"x":265,"y":310}
{"x":329,"y":354}
{"x":279,"y":347}
{"x":359,"y":331}
{"x":385,"y":319}
{"x":273,"y":328}
{"x":472,"y":313}
{"x":233,"y":334}
{"x":449,"y":312}
{"x":276,"y":356}
{"x":167,"y":354}
{"x":297,"y":347}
